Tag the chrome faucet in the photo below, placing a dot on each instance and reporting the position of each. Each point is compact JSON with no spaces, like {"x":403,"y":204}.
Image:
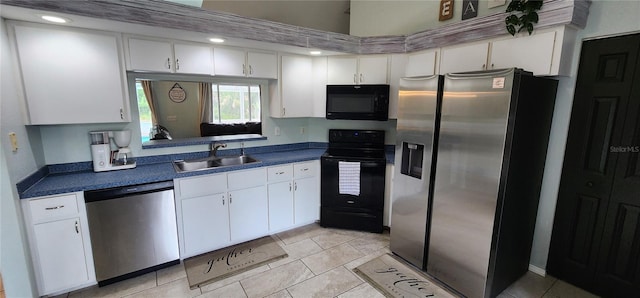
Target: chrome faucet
{"x":242,"y":148}
{"x":214,"y":148}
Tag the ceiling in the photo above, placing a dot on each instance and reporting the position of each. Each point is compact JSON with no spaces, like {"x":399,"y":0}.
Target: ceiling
{"x":326,"y":15}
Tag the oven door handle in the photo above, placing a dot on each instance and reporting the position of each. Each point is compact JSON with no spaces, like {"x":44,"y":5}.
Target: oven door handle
{"x":363,"y":164}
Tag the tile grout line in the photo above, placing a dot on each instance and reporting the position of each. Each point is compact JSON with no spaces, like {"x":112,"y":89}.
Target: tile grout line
{"x":550,"y":287}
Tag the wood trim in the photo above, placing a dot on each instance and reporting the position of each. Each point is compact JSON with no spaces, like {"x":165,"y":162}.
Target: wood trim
{"x":165,"y":14}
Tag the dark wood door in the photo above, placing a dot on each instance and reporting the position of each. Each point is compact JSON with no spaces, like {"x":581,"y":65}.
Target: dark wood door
{"x":596,"y":235}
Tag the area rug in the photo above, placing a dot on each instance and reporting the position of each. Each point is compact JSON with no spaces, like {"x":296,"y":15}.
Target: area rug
{"x":232,"y":260}
{"x":395,"y":279}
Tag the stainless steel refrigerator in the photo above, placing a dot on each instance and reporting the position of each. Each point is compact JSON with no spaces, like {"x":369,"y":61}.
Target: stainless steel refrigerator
{"x":417,"y":131}
{"x":492,"y":146}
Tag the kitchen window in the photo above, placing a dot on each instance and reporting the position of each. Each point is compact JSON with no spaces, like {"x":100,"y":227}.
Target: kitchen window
{"x":206,"y":107}
{"x":235,"y":103}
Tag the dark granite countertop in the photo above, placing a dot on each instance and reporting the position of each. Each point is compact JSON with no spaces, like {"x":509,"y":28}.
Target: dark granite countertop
{"x":53,"y":181}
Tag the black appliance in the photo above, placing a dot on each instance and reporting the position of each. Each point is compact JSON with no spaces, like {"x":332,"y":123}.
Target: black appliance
{"x":358,"y":102}
{"x":352,"y":180}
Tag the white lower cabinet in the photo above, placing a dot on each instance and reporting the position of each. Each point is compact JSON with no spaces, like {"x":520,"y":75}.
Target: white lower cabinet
{"x":306,"y":192}
{"x":207,"y":223}
{"x":307,"y":200}
{"x":248,"y":213}
{"x":59,"y":241}
{"x":218,"y":210}
{"x":280,"y":205}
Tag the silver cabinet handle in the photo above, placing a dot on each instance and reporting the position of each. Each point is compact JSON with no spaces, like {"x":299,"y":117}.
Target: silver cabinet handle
{"x":250,"y":70}
{"x":289,"y":186}
{"x":77,"y":229}
{"x":54,"y":208}
{"x":177,"y":64}
{"x":230,"y":199}
{"x":295,"y":186}
{"x":304,"y":170}
{"x":284,"y":111}
{"x":168,"y":63}
{"x":122,"y":113}
{"x":355,"y":78}
{"x":361,"y":78}
{"x":484,"y":66}
{"x":244,"y":69}
{"x":279,"y":173}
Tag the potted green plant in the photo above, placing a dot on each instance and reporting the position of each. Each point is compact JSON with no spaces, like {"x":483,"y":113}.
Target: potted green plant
{"x":523,"y":14}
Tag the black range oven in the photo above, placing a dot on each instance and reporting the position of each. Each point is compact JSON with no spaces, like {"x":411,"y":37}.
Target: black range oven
{"x":352,"y":180}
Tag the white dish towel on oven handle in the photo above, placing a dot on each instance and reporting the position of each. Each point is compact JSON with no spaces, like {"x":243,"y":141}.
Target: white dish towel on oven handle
{"x":349,"y":178}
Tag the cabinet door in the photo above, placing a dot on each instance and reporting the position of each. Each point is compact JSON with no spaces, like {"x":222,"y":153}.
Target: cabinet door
{"x":297,"y":91}
{"x":150,"y":55}
{"x":193,"y":59}
{"x":306,"y":200}
{"x":248,"y":213}
{"x":92,"y":87}
{"x":532,"y":53}
{"x":464,"y":58}
{"x":61,"y":254}
{"x":280,"y":205}
{"x":372,"y":70}
{"x":342,"y":70}
{"x":421,"y":64}
{"x":262,"y":65}
{"x":229,"y":62}
{"x":205,"y":223}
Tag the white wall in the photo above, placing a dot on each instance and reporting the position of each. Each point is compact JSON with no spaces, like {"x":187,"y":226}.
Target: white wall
{"x":402,"y":17}
{"x":16,"y":268}
{"x":605,"y":18}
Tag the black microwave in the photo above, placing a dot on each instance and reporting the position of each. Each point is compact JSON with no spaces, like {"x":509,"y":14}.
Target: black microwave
{"x":358,"y":102}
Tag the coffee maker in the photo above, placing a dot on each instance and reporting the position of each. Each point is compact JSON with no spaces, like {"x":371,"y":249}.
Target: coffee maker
{"x":105,"y":159}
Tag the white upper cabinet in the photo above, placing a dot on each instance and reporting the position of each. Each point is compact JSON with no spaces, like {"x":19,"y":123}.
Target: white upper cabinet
{"x":397,"y":71}
{"x":165,"y":56}
{"x":546,"y":52}
{"x":192,"y":58}
{"x":150,"y":55}
{"x":461,"y":58}
{"x":357,"y":70}
{"x":421,"y":64}
{"x":262,"y":65}
{"x":91,"y":88}
{"x":240,"y":63}
{"x":296,"y":92}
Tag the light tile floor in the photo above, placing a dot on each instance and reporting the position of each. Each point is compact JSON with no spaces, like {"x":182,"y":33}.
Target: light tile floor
{"x":320,"y":264}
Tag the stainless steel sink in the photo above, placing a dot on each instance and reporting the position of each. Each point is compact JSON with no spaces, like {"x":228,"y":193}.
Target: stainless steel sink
{"x":212,"y":162}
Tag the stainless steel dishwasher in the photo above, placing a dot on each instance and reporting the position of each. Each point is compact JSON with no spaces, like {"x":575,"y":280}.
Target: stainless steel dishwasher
{"x":133,"y":230}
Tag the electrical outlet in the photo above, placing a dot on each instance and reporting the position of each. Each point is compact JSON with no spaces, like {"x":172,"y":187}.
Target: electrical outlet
{"x":302,"y":130}
{"x":277,"y":131}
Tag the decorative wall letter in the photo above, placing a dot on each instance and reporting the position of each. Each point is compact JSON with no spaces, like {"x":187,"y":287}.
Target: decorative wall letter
{"x":469,"y":9}
{"x":446,"y":10}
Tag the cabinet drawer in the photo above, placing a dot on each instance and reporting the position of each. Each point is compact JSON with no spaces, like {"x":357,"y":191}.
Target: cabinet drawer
{"x":202,"y":185}
{"x":305,"y":169}
{"x":280,"y":173}
{"x":53,"y":207}
{"x":246,"y":179}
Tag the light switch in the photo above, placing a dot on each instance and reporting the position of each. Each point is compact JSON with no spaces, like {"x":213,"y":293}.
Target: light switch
{"x":14,"y":141}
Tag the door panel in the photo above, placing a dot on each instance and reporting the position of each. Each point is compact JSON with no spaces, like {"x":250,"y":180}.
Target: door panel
{"x":596,"y":236}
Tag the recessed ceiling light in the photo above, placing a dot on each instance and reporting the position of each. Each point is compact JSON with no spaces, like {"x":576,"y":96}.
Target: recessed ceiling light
{"x":315,"y":53}
{"x":216,"y":40}
{"x":55,"y":19}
